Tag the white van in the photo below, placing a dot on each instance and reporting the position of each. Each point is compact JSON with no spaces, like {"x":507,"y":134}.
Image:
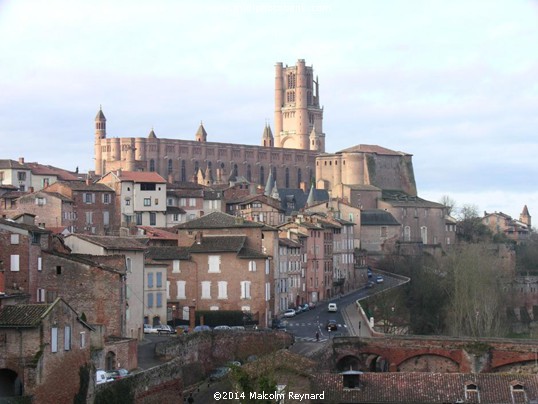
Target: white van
{"x":332,"y":308}
{"x":102,"y":376}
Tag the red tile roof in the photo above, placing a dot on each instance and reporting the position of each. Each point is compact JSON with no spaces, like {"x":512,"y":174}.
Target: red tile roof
{"x":141,"y":176}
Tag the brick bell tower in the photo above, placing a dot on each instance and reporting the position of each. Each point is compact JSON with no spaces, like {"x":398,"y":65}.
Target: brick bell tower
{"x":298,"y":115}
{"x":100,"y":133}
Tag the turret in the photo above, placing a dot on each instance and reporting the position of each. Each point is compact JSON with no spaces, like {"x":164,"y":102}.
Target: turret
{"x":100,"y":125}
{"x":525,"y":217}
{"x":152,"y":134}
{"x":201,"y":134}
{"x":267,"y":137}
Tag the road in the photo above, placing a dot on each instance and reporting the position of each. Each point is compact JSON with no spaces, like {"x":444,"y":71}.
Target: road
{"x":305,"y":325}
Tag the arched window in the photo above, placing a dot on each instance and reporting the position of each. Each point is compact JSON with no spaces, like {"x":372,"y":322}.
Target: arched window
{"x":407,"y":233}
{"x":262,"y":175}
{"x":170,"y":166}
{"x":299,"y":177}
{"x":152,"y":165}
{"x":287,"y":177}
{"x":424,"y":234}
{"x":183,"y":171}
{"x":274,"y":173}
{"x":249,"y":173}
{"x":196,"y":166}
{"x":235,"y":171}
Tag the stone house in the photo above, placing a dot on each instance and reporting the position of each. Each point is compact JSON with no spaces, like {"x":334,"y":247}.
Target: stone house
{"x":43,"y":349}
{"x":258,"y":208}
{"x":21,"y":254}
{"x":513,"y":229}
{"x":93,"y":205}
{"x":140,"y":197}
{"x":52,"y":210}
{"x":232,"y":271}
{"x":290,"y":274}
{"x":133,"y":249}
{"x":184,"y":202}
{"x":379,"y":231}
{"x":15,"y":173}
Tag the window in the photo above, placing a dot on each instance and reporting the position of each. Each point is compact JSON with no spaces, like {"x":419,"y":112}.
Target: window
{"x":206,"y":289}
{"x":82,"y":339}
{"x":159,"y":279}
{"x":54,"y":339}
{"x":148,"y":186}
{"x":40,"y":201}
{"x":170,"y":166}
{"x":407,"y":233}
{"x":89,"y":217}
{"x":245,"y":289}
{"x":14,"y":263}
{"x":147,"y":201}
{"x":384,"y":231}
{"x":252,"y":266}
{"x":41,"y":295}
{"x":21,"y":176}
{"x":67,"y":338}
{"x":106,"y":198}
{"x":176,"y":217}
{"x":128,"y":264}
{"x":424,"y":234}
{"x":138,"y":216}
{"x":150,"y":300}
{"x":223,"y":290}
{"x":180,"y":289}
{"x":39,"y":263}
{"x":159,"y":299}
{"x":152,"y":165}
{"x":192,"y":201}
{"x":175,"y":266}
{"x":127,"y":202}
{"x":106,"y":218}
{"x":150,"y":280}
{"x":214,"y":263}
{"x":152,"y":219}
{"x":36,"y":238}
{"x":168,"y":289}
{"x":89,"y":198}
{"x":14,"y":239}
{"x":58,"y":269}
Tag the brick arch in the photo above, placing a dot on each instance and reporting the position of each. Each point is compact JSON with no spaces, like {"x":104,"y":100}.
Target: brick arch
{"x":10,"y":383}
{"x":367,"y":361}
{"x":428,"y":362}
{"x":525,"y":366}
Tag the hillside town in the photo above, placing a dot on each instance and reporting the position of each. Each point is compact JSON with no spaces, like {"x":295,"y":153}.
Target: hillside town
{"x":166,"y":234}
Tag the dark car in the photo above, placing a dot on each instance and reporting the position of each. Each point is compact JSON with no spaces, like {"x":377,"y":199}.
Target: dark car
{"x":219,"y":373}
{"x":277,"y":324}
{"x":332,"y":325}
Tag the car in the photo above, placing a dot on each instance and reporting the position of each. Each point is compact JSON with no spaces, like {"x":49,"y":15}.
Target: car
{"x":369,"y":272}
{"x":102,"y":376}
{"x":379,"y":279}
{"x":222,"y":328}
{"x":165,"y":329}
{"x":200,"y":328}
{"x":148,"y":329}
{"x":311,"y":305}
{"x":219,"y":373}
{"x":237,"y":328}
{"x":118,"y":373}
{"x":290,"y":313}
{"x":306,"y":307}
{"x":332,"y":325}
{"x":277,"y":324}
{"x":332,"y":308}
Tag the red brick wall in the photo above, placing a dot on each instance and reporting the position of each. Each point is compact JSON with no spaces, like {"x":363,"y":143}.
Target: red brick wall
{"x":90,"y":290}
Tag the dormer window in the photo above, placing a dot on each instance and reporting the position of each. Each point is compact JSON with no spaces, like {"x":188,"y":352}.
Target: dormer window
{"x":471,"y":392}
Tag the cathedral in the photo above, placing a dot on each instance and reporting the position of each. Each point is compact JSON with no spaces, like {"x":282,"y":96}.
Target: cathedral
{"x":289,"y":155}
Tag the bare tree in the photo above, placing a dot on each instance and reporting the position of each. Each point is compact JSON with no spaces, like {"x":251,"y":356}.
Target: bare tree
{"x":476,"y":295}
{"x":449,"y":203}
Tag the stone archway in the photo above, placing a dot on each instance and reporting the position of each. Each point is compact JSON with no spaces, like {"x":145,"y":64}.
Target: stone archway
{"x":349,"y":362}
{"x":10,"y":383}
{"x":429,"y":363}
{"x":110,"y":361}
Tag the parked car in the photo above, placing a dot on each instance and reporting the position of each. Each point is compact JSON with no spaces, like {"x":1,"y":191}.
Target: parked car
{"x":290,"y":313}
{"x":370,"y":284}
{"x":148,"y":329}
{"x":118,"y":373}
{"x":312,"y":305}
{"x":369,"y":272}
{"x":277,"y":324}
{"x":222,"y":327}
{"x":332,"y":308}
{"x":219,"y":373}
{"x":306,"y":307}
{"x":199,"y":328}
{"x":332,"y":325}
{"x":102,"y":376}
{"x":379,"y":279}
{"x":237,"y":328}
{"x":165,"y":329}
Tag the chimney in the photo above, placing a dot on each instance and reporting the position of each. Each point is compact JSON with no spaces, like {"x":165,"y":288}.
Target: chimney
{"x":88,"y":180}
{"x":21,"y":160}
{"x":170,"y":178}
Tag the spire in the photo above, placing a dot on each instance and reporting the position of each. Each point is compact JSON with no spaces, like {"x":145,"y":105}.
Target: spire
{"x":269,"y":184}
{"x":152,"y":135}
{"x":310,"y":201}
{"x":274,"y":192}
{"x":267,"y":136}
{"x":201,"y":134}
{"x":100,"y":116}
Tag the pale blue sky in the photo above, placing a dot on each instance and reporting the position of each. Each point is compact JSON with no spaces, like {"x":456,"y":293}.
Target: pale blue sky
{"x":455,"y":83}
